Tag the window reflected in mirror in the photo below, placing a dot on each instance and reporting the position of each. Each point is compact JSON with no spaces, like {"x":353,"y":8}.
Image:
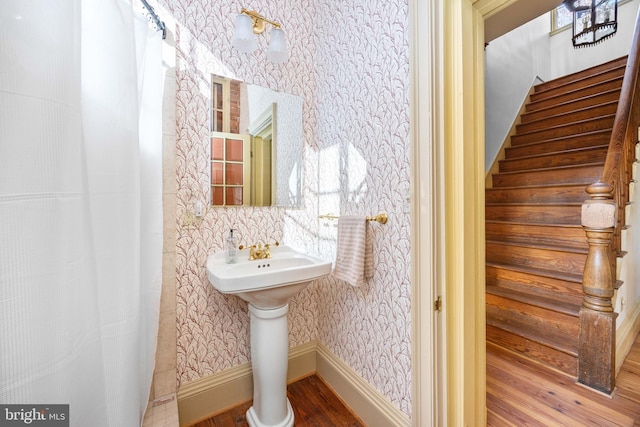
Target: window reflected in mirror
{"x":256,"y":145}
{"x":229,"y":169}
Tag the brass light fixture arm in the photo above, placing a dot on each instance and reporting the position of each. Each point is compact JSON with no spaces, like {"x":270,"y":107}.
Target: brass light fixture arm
{"x":258,"y":21}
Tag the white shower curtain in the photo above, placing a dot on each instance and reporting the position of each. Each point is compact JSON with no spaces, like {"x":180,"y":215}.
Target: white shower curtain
{"x":80,"y":207}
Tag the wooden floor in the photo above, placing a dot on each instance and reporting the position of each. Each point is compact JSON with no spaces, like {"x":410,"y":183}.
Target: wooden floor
{"x":314,"y":404}
{"x":523,"y":393}
{"x":519,"y":393}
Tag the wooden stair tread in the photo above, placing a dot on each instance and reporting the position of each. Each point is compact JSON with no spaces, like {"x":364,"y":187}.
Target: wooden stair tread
{"x":564,"y":125}
{"x":568,"y":104}
{"x":577,"y":112}
{"x":554,"y":341}
{"x":534,"y":186}
{"x":536,"y":205}
{"x":539,"y":96}
{"x":549,"y":287}
{"x":561,"y":306}
{"x":567,"y":277}
{"x":550,"y":233}
{"x":577,"y":139}
{"x":553,"y":158}
{"x":542,"y":187}
{"x":534,"y":352}
{"x":533,"y":224}
{"x":542,"y":101}
{"x":615,"y":64}
{"x":536,"y":225}
{"x":574,"y":136}
{"x":558,"y":152}
{"x":557,"y":248}
{"x":572,"y":193}
{"x":553,"y":168}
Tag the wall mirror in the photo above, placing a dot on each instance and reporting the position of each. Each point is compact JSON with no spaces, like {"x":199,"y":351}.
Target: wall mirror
{"x":256,"y":145}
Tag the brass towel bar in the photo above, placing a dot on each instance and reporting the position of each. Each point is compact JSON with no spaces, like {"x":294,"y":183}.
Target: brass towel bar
{"x":382,"y":217}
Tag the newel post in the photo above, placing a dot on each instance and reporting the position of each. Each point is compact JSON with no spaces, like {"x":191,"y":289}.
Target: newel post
{"x":597,"y":340}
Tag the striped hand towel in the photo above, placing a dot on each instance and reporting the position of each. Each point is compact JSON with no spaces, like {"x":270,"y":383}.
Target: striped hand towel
{"x":354,"y":254}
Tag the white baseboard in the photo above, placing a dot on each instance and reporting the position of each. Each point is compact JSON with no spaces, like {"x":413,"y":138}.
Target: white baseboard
{"x":364,"y":400}
{"x":626,"y":335}
{"x":208,"y":396}
{"x":214,"y":394}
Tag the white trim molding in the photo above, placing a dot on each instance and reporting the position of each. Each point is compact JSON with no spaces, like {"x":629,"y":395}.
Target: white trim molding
{"x":365,"y":401}
{"x":626,"y":335}
{"x":217,"y":393}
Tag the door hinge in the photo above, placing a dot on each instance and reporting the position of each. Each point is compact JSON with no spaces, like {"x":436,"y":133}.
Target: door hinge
{"x":437,"y":304}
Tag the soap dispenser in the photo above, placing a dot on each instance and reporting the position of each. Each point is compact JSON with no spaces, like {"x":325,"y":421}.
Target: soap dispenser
{"x":232,"y":251}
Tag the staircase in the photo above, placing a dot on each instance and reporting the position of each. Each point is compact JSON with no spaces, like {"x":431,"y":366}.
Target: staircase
{"x":535,"y":246}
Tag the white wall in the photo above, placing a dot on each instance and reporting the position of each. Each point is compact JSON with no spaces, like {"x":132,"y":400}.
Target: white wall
{"x":514,"y":60}
{"x":566,"y":59}
{"x":512,"y":63}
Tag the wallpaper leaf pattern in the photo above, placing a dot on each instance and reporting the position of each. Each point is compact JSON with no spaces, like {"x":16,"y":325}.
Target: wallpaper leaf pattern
{"x":349,"y":62}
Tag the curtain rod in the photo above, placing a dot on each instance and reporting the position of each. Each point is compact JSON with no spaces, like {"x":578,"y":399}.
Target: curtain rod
{"x":159,"y":24}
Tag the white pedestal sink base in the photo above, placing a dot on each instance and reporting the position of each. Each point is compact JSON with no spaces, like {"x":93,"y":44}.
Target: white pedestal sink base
{"x":269,"y":360}
{"x":268,"y":285}
{"x":253,"y":421}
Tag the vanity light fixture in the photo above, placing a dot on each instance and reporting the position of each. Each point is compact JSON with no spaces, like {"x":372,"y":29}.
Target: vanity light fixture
{"x":249,"y":23}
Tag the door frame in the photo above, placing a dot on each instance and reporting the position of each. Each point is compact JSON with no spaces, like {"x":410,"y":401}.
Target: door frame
{"x":448,"y":175}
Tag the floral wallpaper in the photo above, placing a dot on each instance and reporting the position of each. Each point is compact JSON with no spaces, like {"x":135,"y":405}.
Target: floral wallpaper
{"x":349,"y":62}
{"x":362,"y":71}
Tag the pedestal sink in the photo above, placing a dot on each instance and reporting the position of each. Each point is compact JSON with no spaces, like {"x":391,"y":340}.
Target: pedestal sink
{"x":268,"y":285}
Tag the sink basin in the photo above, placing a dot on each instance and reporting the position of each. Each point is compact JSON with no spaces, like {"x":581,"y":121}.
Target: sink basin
{"x":266,"y":283}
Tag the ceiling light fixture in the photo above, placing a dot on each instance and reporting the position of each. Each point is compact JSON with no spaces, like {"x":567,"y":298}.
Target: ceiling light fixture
{"x":249,"y":23}
{"x":593,"y":20}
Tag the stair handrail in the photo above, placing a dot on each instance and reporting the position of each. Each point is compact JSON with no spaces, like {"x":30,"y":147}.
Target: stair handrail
{"x":603,"y":219}
{"x":624,"y":136}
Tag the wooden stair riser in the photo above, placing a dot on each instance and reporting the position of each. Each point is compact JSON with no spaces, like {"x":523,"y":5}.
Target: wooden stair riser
{"x":564,"y":158}
{"x":537,"y":194}
{"x":568,"y":118}
{"x":600,"y":123}
{"x":578,"y":86}
{"x":554,"y":304}
{"x":535,"y":257}
{"x":617,"y":65}
{"x":556,"y":330}
{"x":546,"y":355}
{"x":532,"y":281}
{"x":546,"y":100}
{"x":555,"y":145}
{"x":537,"y":234}
{"x":538,"y":214}
{"x":586,"y":174}
{"x":567,"y":107}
